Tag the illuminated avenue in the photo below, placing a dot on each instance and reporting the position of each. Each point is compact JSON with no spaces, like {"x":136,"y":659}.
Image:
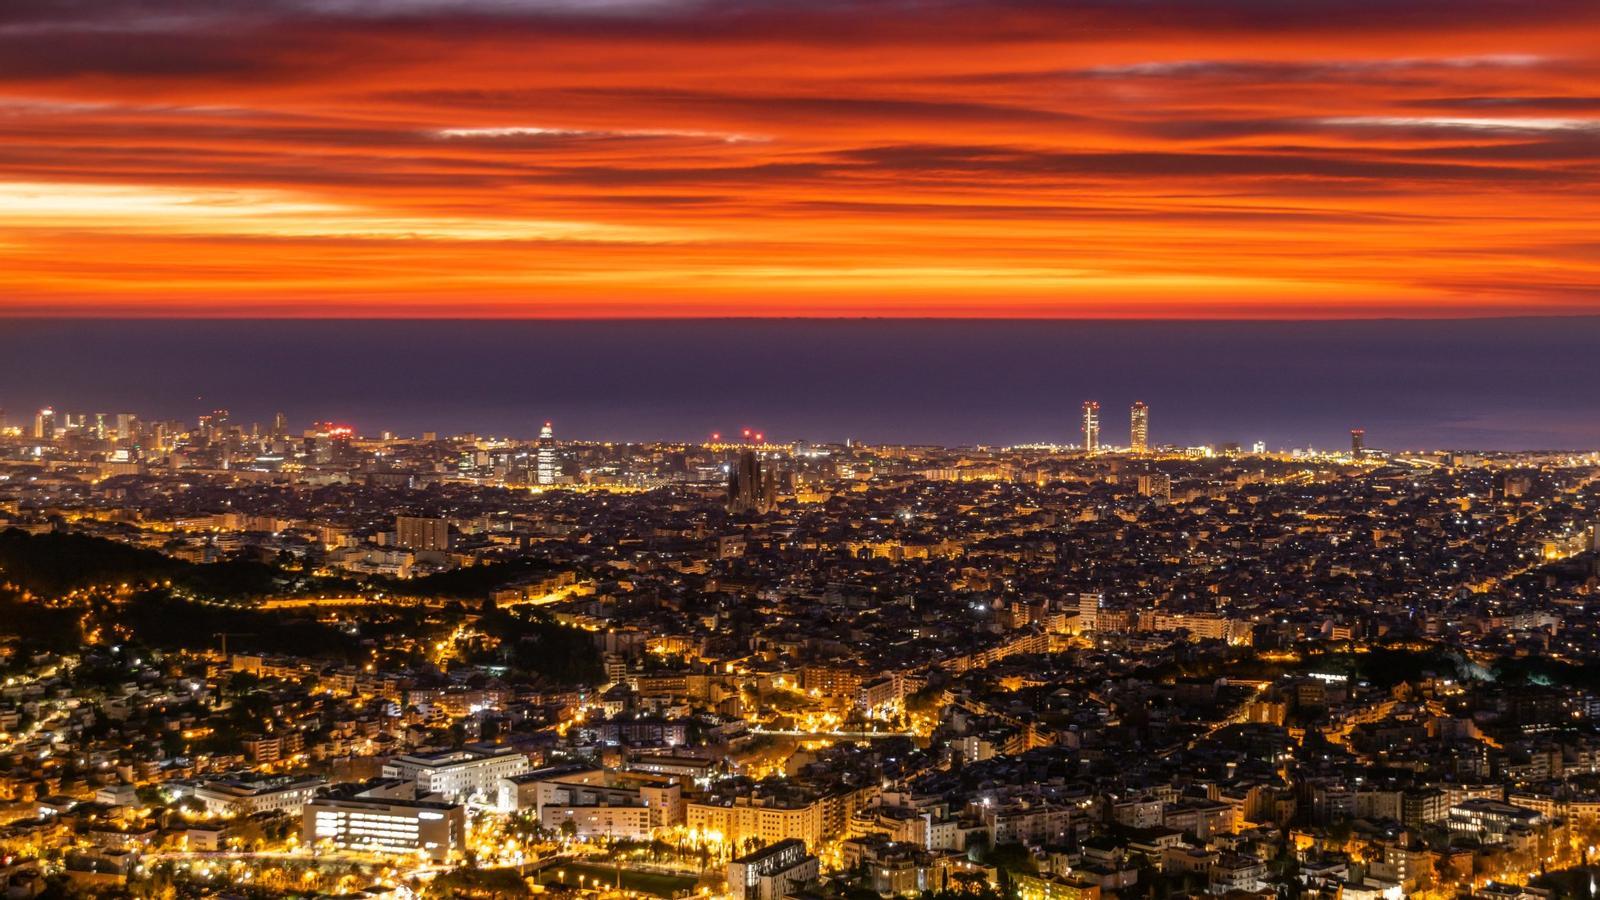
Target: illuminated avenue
{"x":264,"y":660}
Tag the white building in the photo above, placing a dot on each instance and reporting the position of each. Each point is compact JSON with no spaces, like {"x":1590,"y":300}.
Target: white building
{"x":237,"y":797}
{"x":1236,"y":872}
{"x":772,"y":873}
{"x":376,"y":822}
{"x":459,"y":776}
{"x":765,"y":818}
{"x":1491,"y":821}
{"x":598,"y":802}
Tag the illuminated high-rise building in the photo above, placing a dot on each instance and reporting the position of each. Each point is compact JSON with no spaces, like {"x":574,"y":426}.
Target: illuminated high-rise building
{"x":1139,"y":428}
{"x":1358,"y":442}
{"x":44,"y":424}
{"x":1091,"y":426}
{"x":1089,"y":606}
{"x":329,"y":443}
{"x":548,"y":468}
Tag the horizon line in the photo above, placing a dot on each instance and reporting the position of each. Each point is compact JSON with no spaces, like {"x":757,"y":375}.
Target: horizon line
{"x":163,"y":317}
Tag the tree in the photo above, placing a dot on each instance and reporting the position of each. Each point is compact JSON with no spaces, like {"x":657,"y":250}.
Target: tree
{"x":491,"y":884}
{"x":1012,"y":860}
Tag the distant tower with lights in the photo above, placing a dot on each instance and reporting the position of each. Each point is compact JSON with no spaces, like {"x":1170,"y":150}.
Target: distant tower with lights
{"x":548,"y":469}
{"x":44,"y":424}
{"x":1358,"y":442}
{"x":1139,"y":428}
{"x":1091,"y":427}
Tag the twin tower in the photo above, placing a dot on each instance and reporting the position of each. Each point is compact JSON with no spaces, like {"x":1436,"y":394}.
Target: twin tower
{"x":1138,"y":427}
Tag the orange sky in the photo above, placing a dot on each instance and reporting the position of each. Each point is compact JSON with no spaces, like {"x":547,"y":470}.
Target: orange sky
{"x":1251,"y":158}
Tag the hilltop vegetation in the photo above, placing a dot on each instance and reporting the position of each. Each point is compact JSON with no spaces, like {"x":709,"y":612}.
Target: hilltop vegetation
{"x":59,"y":563}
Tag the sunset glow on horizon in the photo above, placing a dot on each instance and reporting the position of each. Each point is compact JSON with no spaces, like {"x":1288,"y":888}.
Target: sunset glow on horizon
{"x":556,"y":158}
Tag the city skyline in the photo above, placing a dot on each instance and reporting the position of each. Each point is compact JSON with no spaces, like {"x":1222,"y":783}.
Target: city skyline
{"x":50,"y":424}
{"x":417,"y":158}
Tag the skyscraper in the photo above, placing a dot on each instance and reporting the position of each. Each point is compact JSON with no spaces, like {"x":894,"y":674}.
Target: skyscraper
{"x":548,"y":468}
{"x":1358,"y":442}
{"x":44,"y":424}
{"x":1091,"y":426}
{"x":1139,"y":428}
{"x":752,"y":487}
{"x":1089,"y":606}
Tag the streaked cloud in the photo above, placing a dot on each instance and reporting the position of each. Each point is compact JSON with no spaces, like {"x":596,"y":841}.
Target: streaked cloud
{"x":528,"y":131}
{"x":274,"y":214}
{"x":1469,"y":123}
{"x":380,"y":8}
{"x":1169,"y":157}
{"x":1189,"y":68}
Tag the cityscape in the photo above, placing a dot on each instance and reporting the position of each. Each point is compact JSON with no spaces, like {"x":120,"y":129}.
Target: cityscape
{"x":799,"y":449}
{"x":272,"y":659}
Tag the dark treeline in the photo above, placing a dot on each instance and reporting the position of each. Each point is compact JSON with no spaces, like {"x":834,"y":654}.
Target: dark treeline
{"x":172,"y":604}
{"x":538,"y":646}
{"x":157,"y":619}
{"x":1542,"y":670}
{"x":57,"y":563}
{"x":38,"y":626}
